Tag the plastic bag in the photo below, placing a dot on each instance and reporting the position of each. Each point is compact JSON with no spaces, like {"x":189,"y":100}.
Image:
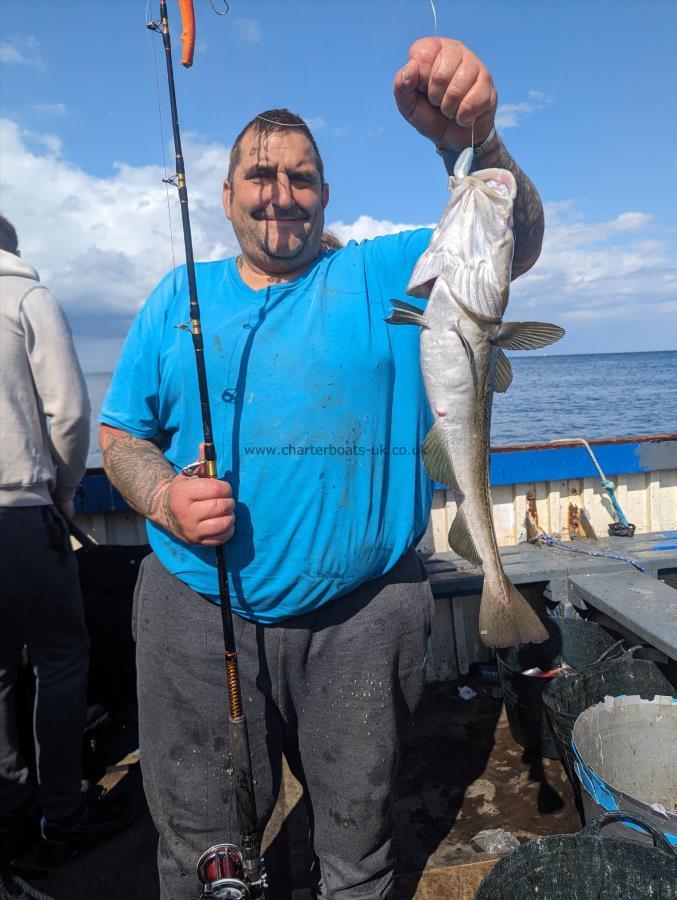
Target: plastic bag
{"x":466,"y":693}
{"x":496,"y":840}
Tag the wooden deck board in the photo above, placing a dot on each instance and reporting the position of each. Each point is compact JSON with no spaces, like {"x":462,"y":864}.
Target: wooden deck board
{"x":640,"y":603}
{"x":529,"y":563}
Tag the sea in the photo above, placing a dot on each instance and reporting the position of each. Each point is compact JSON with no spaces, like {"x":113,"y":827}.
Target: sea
{"x":593,"y":395}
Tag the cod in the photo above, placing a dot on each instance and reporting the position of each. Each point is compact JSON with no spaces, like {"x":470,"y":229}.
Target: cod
{"x":465,"y":277}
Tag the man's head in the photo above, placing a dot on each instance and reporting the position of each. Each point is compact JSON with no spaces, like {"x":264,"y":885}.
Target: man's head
{"x":275,"y":193}
{"x":8,"y":239}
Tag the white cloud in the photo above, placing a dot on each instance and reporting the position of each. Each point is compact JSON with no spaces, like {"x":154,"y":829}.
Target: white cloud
{"x":50,"y":142}
{"x":101,"y":243}
{"x":316,"y":123}
{"x":540,"y":97}
{"x":248,"y":30}
{"x":50,"y":109}
{"x":611,"y":284}
{"x":621,"y":270}
{"x":510,"y":115}
{"x":22,"y":51}
{"x":366,"y":227}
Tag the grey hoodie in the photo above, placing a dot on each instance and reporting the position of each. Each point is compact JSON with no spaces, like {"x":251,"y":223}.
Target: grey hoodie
{"x":40,"y":382}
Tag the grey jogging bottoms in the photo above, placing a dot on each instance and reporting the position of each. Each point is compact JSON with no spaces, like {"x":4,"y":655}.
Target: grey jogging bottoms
{"x":333,"y":689}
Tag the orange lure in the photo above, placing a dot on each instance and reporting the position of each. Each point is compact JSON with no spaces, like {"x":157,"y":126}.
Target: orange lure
{"x":188,"y":33}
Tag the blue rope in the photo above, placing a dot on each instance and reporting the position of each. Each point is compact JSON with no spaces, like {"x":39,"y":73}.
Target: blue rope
{"x":551,"y":542}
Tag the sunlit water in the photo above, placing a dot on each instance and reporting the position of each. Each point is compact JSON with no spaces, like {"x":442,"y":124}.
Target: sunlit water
{"x":590,"y":396}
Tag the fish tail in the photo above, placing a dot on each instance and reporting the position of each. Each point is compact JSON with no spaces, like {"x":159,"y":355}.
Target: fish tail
{"x":506,"y":624}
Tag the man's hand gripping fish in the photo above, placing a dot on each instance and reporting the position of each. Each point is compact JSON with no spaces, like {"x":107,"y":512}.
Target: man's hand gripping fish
{"x":465,"y":274}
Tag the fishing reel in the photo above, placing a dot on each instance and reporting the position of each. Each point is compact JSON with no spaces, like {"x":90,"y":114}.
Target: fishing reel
{"x":223,"y":875}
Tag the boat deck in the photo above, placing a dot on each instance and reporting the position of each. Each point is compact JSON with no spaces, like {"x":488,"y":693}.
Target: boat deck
{"x":460,"y":770}
{"x":460,"y":773}
{"x":597,"y":578}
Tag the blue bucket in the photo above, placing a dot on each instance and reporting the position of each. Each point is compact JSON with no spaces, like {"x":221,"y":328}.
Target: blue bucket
{"x":625,"y":756}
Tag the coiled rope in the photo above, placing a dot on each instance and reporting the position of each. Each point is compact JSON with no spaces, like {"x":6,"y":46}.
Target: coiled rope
{"x":545,"y":538}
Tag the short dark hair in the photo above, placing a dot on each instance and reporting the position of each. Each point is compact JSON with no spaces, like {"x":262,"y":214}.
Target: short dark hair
{"x":8,"y":239}
{"x":267,"y":122}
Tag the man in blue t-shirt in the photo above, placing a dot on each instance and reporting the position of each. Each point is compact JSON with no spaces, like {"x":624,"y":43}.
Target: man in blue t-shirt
{"x":318,"y":416}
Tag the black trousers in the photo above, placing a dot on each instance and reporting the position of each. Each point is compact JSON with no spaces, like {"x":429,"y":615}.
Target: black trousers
{"x":41,"y":607}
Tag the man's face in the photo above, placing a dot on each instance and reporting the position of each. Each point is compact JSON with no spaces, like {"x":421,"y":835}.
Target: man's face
{"x":276,"y":201}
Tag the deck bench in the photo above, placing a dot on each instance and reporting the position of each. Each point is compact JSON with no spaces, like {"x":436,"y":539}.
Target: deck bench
{"x":640,"y":604}
{"x":612,"y":587}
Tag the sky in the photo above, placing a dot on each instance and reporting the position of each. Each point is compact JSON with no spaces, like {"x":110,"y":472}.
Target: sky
{"x":586,"y":106}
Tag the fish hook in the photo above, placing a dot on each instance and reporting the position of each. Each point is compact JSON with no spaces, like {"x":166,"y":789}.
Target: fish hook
{"x":432,"y":5}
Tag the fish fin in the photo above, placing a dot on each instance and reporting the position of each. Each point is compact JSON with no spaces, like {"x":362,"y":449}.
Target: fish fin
{"x":527,"y":335}
{"x":477,"y":318}
{"x":464,"y":341}
{"x":506,"y":621}
{"x":429,"y":267}
{"x":405,"y":314}
{"x":502,"y":373}
{"x":436,"y":458}
{"x":423,"y":290}
{"x":461,"y":541}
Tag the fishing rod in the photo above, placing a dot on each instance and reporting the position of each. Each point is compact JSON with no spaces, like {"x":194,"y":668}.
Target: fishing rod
{"x":226,"y":872}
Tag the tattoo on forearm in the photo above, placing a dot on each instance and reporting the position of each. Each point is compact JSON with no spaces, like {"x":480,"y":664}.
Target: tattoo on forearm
{"x":170,"y":521}
{"x":140,"y":471}
{"x":527,"y":210}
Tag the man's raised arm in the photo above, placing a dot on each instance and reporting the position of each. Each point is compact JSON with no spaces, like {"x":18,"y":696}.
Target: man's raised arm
{"x":196,"y":510}
{"x":448,"y":95}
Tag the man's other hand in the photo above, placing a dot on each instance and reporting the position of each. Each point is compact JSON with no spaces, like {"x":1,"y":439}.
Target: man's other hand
{"x":443,"y":90}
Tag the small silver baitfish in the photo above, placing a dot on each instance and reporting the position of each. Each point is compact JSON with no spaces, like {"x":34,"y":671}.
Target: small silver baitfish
{"x":465,"y":276}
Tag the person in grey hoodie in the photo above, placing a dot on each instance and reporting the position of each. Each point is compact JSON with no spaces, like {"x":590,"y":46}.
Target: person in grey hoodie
{"x":44,"y":438}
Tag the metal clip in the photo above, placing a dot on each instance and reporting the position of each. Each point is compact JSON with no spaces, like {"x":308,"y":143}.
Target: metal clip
{"x":191,"y":470}
{"x":171,"y":180}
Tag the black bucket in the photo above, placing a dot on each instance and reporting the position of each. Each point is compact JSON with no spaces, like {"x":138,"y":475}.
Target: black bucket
{"x":572,"y":641}
{"x":585,"y":865}
{"x":638,"y":671}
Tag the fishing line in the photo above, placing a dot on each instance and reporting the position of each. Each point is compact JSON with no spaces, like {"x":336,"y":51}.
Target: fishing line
{"x":307,"y":122}
{"x":434,"y":17}
{"x":151,"y":41}
{"x":311,"y":123}
{"x":167,"y":181}
{"x":385,"y":39}
{"x":184,"y":392}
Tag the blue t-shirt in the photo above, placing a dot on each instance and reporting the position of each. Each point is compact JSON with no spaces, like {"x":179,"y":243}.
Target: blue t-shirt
{"x":318,"y":412}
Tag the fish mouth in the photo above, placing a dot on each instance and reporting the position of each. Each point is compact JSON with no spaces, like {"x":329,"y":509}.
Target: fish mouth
{"x":499,"y":180}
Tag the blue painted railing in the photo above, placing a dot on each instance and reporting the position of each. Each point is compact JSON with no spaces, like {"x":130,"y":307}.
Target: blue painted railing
{"x":620,"y":456}
{"x":522,"y":464}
